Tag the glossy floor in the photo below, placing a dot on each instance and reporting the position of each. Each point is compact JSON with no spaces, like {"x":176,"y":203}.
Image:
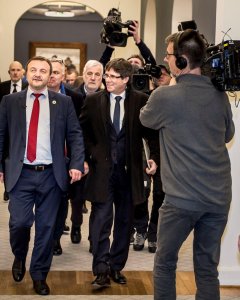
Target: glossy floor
{"x":70,"y":277}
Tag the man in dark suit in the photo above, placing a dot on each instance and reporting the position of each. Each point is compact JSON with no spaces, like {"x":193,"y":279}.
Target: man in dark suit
{"x":15,"y":84}
{"x":55,"y":84}
{"x":113,"y":136}
{"x":92,"y":81}
{"x":92,"y":78}
{"x":37,"y":172}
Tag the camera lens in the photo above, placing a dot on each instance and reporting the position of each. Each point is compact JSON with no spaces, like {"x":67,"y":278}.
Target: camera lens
{"x":140,"y":82}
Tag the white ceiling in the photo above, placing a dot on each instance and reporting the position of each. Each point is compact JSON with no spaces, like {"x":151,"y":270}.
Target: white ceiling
{"x":61,"y":7}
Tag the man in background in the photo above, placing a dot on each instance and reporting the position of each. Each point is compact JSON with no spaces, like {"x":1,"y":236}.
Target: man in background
{"x":15,"y":84}
{"x":55,"y":84}
{"x":92,"y":80}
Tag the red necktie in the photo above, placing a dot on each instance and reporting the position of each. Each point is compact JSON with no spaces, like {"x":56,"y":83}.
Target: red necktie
{"x":32,"y":131}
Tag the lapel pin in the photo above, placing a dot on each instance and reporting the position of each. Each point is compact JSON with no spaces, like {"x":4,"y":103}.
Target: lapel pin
{"x":54,"y":102}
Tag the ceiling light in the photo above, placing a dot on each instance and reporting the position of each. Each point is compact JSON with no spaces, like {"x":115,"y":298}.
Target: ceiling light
{"x":61,"y":14}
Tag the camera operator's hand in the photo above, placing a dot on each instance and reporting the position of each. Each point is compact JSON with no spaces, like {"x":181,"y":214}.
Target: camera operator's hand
{"x":134,"y":32}
{"x":173,"y":81}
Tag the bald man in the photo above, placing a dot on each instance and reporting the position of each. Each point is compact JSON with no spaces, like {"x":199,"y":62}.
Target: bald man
{"x":15,"y":84}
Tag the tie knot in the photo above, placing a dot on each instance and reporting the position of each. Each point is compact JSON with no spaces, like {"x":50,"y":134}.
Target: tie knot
{"x":14,"y":84}
{"x":118,"y":98}
{"x":37,"y":95}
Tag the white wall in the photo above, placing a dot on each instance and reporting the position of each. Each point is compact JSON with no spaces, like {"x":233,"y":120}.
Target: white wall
{"x":150,"y":24}
{"x":182,"y":11}
{"x":229,"y":268}
{"x":9,"y":17}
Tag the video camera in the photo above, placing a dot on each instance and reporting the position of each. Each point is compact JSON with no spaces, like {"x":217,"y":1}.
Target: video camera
{"x":141,"y":76}
{"x":112,"y":29}
{"x":222,"y":65}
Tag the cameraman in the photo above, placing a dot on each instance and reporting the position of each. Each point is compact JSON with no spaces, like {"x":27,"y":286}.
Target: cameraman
{"x":146,"y":56}
{"x":194,"y":120}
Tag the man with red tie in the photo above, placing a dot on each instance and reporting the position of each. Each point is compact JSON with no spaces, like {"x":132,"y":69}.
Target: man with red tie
{"x":36,"y":171}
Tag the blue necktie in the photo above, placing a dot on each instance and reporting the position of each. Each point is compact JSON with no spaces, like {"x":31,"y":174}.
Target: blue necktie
{"x":116,"y":115}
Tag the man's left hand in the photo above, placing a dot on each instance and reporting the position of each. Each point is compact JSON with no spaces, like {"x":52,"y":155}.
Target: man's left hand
{"x":152,"y":167}
{"x":75,"y":175}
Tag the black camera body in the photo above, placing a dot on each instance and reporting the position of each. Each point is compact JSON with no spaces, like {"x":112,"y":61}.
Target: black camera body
{"x":223,"y":65}
{"x":141,"y":77}
{"x":112,"y":29}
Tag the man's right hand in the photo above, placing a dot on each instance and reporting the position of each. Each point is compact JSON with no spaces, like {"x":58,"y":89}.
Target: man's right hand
{"x":134,"y":32}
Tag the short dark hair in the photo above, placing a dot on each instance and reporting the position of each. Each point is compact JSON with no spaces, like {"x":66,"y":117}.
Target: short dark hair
{"x":190,"y":43}
{"x":165,"y":68}
{"x":41,"y":58}
{"x":121,"y":66}
{"x":138,"y":56}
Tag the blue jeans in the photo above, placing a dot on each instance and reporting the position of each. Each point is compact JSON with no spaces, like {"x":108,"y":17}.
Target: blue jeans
{"x":174,"y":226}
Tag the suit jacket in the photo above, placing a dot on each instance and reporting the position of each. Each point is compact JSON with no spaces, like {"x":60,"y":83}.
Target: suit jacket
{"x":5,"y":88}
{"x":81,"y":90}
{"x":94,"y":121}
{"x":77,"y":99}
{"x":64,"y":127}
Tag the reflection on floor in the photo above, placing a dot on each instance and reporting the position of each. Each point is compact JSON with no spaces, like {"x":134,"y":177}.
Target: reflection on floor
{"x":76,"y":262}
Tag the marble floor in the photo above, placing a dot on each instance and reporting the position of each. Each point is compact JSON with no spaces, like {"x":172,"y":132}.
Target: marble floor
{"x":77,"y":258}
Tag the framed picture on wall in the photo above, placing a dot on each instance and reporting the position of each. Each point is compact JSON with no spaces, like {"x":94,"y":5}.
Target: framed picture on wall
{"x":71,"y":53}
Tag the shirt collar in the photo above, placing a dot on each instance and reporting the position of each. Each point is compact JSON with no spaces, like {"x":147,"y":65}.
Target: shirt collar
{"x":123,"y":95}
{"x":30,"y":92}
{"x":18,"y":83}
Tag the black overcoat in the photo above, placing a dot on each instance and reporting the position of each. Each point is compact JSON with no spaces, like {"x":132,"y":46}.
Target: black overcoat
{"x":94,"y":120}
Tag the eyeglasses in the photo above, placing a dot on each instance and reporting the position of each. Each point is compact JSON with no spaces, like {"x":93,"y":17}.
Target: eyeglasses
{"x":168,"y":54}
{"x":112,"y":77}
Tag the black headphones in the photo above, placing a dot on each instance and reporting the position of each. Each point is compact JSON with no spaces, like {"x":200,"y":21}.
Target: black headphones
{"x":181,"y":61}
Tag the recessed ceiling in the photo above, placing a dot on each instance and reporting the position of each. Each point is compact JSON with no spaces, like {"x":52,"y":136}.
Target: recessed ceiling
{"x":61,"y":9}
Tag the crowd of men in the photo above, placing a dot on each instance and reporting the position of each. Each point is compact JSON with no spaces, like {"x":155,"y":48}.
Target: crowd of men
{"x":64,"y":138}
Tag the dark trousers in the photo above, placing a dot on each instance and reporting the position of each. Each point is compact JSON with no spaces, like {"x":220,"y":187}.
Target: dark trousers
{"x":112,"y":256}
{"x":141,"y":214}
{"x":142,"y":223}
{"x":61,"y":216}
{"x":39,"y":191}
{"x":174,"y":226}
{"x":77,"y":201}
{"x":158,"y":198}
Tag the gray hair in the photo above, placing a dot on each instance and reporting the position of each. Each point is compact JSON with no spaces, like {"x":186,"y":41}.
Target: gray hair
{"x":92,"y":63}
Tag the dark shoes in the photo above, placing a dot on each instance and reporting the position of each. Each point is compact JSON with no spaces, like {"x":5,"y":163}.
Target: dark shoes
{"x":84,"y":208}
{"x":57,"y":249}
{"x":118,"y":277}
{"x":66,"y":228}
{"x":41,"y":287}
{"x":139,"y":241}
{"x":76,"y":234}
{"x":102,"y":280}
{"x":5,"y":196}
{"x":152,"y":247}
{"x":90,"y":246}
{"x":18,"y":269}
